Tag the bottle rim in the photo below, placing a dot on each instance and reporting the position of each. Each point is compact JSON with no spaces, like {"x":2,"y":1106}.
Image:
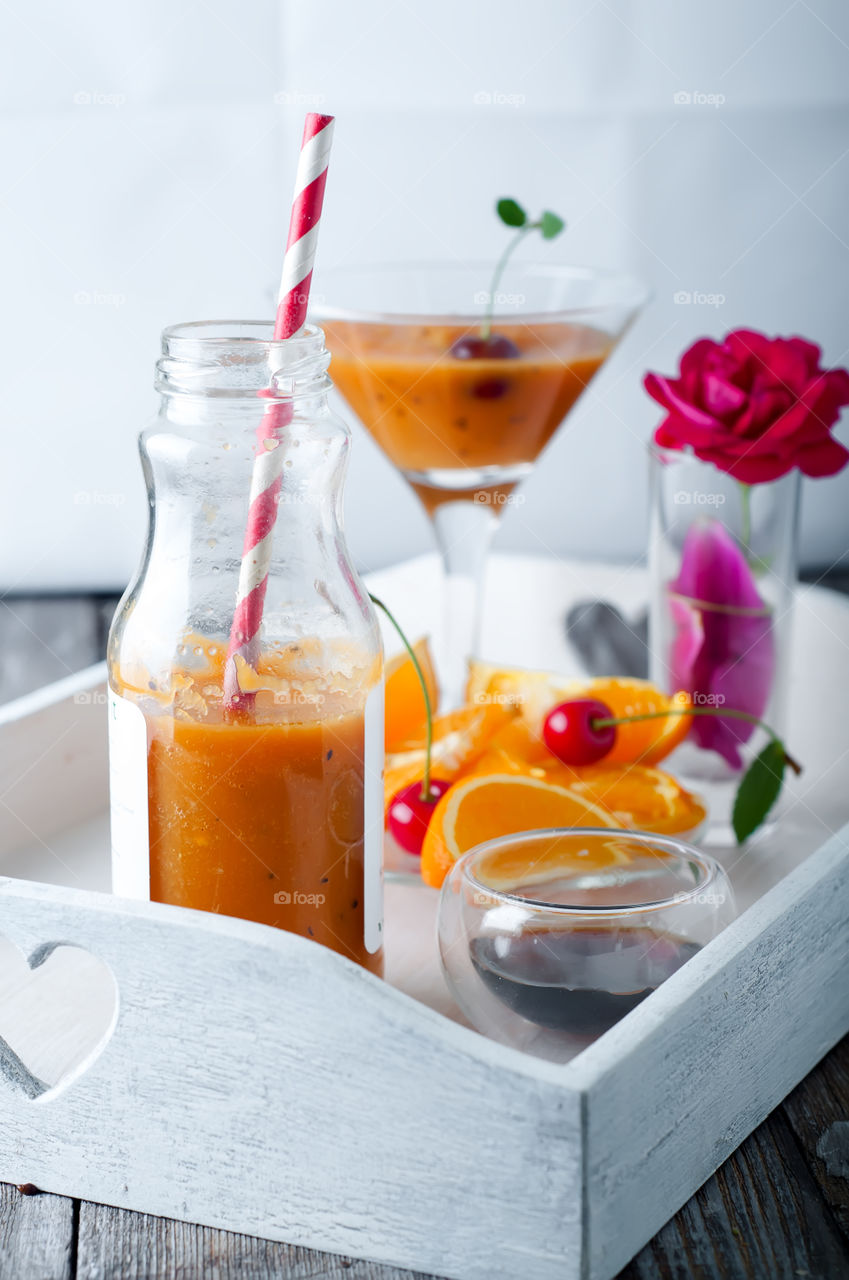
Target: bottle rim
{"x":241,"y":358}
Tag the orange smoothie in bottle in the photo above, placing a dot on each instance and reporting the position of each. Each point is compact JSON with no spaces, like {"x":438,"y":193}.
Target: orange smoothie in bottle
{"x":265,"y":802}
{"x":261,"y":817}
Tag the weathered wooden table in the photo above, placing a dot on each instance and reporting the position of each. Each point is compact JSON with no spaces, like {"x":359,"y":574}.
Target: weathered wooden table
{"x":779,"y":1207}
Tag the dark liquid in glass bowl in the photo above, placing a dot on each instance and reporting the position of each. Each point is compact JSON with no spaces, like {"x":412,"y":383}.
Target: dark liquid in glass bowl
{"x":580,"y":980}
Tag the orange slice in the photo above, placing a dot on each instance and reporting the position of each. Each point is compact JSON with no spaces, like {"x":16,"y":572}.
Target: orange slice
{"x":406,"y":717}
{"x":524,"y":864}
{"x":534,"y":693}
{"x":459,"y":738}
{"x":517,"y":749}
{"x":641,"y":797}
{"x":484,"y":806}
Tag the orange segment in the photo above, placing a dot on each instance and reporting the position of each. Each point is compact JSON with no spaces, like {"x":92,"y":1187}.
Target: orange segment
{"x":533,"y":692}
{"x":642,"y":797}
{"x":536,"y":692}
{"x":524,"y":864}
{"x":406,"y":717}
{"x":482,"y":807}
{"x":459,"y":738}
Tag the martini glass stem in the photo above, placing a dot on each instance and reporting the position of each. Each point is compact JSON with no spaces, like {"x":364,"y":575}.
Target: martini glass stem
{"x":464,"y":532}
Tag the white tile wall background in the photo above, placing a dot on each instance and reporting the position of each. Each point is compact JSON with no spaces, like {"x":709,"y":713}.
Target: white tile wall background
{"x":147,"y":158}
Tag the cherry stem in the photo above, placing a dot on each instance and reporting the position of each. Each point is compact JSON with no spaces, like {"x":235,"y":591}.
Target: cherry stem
{"x":486,"y":324}
{"x":598,"y":722}
{"x":426,"y":794}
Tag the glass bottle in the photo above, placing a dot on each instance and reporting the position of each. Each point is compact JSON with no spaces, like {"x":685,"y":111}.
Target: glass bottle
{"x":267,"y":805}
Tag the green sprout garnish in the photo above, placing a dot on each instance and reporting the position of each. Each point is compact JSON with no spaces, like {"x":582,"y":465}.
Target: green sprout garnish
{"x":513,"y":215}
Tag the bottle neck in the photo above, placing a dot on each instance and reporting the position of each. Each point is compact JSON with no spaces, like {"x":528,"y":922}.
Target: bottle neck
{"x":230,"y":371}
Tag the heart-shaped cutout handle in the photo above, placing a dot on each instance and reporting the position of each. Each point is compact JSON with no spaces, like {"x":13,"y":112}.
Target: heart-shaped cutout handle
{"x":58,"y":1008}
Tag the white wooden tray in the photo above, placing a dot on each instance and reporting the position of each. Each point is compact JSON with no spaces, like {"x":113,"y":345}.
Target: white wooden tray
{"x":222,"y":1072}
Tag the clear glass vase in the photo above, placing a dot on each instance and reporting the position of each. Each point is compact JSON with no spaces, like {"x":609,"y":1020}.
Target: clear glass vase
{"x":722,"y":558}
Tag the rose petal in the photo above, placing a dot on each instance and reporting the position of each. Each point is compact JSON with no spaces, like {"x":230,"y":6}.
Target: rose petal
{"x":809,"y":352}
{"x":724,"y":658}
{"x":747,"y":345}
{"x":687,"y":639}
{"x":827,"y":395}
{"x":788,"y":365}
{"x":665,"y":392}
{"x":824,"y":458}
{"x":664,"y":438}
{"x":838,"y":381}
{"x":714,"y":569}
{"x":768,"y":406}
{"x":695,"y":437}
{"x":721,"y":397}
{"x":695,"y":356}
{"x":742,"y":682}
{"x":751,"y":468}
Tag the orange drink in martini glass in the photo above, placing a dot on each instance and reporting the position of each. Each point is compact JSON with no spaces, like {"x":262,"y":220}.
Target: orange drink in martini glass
{"x":462,"y":406}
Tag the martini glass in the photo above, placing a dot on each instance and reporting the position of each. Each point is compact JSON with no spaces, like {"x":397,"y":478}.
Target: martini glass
{"x":462,"y":418}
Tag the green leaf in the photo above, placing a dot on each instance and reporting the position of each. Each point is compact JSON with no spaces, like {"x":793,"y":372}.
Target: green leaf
{"x":550,"y":225}
{"x":511,"y":213}
{"x":759,"y":790}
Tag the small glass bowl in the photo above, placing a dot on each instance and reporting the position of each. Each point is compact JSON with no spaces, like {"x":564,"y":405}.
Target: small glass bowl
{"x":547,"y":938}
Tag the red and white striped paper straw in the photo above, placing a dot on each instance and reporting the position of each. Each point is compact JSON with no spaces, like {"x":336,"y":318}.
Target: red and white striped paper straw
{"x":266,"y":480}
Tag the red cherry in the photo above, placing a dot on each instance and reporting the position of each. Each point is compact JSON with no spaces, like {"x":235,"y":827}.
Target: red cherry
{"x":495,"y":347}
{"x":491,"y":389}
{"x":569,"y":732}
{"x":409,"y":814}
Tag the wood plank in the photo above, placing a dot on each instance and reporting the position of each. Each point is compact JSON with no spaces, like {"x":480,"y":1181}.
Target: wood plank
{"x":761,"y":1215}
{"x":36,"y":1236}
{"x":116,"y":1244}
{"x":818,"y":1113}
{"x":46,"y":639}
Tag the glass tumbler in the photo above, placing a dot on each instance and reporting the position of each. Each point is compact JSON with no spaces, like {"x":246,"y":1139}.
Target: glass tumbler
{"x":548,"y":938}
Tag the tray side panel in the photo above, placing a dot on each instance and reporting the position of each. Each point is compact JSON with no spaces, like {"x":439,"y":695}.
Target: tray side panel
{"x":672,"y":1091}
{"x":53,"y":758}
{"x":257,"y":1082}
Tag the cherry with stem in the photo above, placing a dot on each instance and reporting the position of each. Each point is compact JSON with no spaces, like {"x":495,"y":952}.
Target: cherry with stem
{"x":426,"y":793}
{"x":583,"y":731}
{"x":411,"y":808}
{"x":730,"y":712}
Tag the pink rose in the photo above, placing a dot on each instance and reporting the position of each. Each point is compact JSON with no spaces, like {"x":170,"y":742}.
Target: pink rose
{"x":754,"y":406}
